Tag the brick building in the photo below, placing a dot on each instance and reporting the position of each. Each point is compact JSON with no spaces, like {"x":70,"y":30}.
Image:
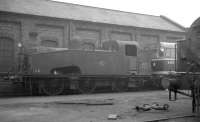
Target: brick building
{"x":56,"y":24}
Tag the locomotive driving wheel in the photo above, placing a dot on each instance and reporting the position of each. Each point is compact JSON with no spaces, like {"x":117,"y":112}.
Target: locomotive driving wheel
{"x":86,"y":86}
{"x":121,"y":85}
{"x":52,"y":86}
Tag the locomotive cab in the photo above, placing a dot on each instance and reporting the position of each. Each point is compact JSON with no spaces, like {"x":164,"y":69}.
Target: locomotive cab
{"x":130,"y":49}
{"x":165,"y":62}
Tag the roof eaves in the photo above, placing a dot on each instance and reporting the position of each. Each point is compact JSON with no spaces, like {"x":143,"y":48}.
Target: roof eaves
{"x":173,"y":22}
{"x":94,"y":7}
{"x":142,"y":27}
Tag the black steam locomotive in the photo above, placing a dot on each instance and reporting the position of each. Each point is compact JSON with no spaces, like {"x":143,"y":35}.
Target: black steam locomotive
{"x":52,"y":71}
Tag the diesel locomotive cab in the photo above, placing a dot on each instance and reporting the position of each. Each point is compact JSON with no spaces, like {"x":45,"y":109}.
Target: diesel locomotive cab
{"x":164,"y":65}
{"x":165,"y":62}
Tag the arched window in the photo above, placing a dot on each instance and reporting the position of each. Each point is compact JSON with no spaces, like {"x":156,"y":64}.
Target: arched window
{"x":6,"y":54}
{"x":49,"y":43}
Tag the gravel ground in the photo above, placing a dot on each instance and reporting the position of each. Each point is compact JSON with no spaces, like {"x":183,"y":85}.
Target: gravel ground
{"x":94,"y":108}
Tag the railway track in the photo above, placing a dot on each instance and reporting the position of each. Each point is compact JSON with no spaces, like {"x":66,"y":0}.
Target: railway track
{"x":9,"y":88}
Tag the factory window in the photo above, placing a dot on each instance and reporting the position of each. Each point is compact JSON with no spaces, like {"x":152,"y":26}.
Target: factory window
{"x":131,"y":50}
{"x":122,"y":36}
{"x":49,"y":43}
{"x":6,"y":53}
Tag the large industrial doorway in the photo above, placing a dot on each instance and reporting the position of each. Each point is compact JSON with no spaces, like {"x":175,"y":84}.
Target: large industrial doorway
{"x":6,"y":54}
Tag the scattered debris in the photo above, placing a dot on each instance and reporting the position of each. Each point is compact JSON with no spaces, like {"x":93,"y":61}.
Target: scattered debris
{"x":160,"y":107}
{"x":155,"y":106}
{"x":144,"y":107}
{"x":113,"y":117}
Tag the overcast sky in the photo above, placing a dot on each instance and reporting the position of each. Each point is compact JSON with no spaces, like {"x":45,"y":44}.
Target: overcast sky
{"x":183,"y":12}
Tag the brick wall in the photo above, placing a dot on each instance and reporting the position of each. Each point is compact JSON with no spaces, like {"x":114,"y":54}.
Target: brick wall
{"x":35,"y":31}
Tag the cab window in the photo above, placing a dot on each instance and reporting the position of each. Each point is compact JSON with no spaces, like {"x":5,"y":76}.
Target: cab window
{"x":130,"y":50}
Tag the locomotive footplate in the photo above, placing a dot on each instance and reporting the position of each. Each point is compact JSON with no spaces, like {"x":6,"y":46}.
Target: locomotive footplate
{"x":43,"y":84}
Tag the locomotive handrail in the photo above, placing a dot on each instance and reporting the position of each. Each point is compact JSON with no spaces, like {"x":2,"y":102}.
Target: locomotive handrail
{"x":82,"y":75}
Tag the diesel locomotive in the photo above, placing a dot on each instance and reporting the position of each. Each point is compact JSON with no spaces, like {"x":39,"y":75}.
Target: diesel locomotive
{"x":166,"y":60}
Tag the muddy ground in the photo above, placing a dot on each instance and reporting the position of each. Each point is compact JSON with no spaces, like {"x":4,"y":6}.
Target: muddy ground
{"x":96,"y":108}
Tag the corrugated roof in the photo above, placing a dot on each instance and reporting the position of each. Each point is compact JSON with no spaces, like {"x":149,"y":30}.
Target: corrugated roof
{"x":86,"y":13}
